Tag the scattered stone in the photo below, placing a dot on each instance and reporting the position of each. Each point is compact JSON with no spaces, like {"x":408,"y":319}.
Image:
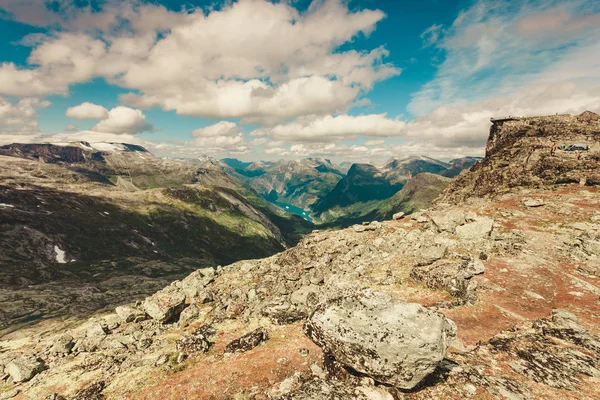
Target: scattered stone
{"x":92,"y":392}
{"x":393,"y":342}
{"x":194,"y":285}
{"x":24,"y":368}
{"x":162,"y":359}
{"x":419,"y":217}
{"x":196,"y":342}
{"x":62,"y":345}
{"x":95,"y":329}
{"x":447,"y":221}
{"x":481,"y":228}
{"x":131,"y":314}
{"x":474,"y":267}
{"x":166,"y":305}
{"x":248,"y":341}
{"x":398,"y":215}
{"x":533,"y":202}
{"x":431,"y":254}
{"x":194,"y":313}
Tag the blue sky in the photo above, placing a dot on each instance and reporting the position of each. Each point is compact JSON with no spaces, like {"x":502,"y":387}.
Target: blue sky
{"x":362,"y":80}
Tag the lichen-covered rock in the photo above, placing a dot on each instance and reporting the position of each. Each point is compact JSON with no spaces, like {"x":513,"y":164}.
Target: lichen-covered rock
{"x":248,"y":341}
{"x":24,"y":368}
{"x":131,"y":314}
{"x":193,"y":285}
{"x":166,"y":305}
{"x":197,"y":341}
{"x":394,"y":342}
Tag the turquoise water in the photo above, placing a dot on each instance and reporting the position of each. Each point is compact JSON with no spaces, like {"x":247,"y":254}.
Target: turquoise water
{"x":294,"y":210}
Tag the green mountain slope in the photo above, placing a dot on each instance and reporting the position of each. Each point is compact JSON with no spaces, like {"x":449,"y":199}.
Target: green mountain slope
{"x":75,"y":218}
{"x":418,"y":193}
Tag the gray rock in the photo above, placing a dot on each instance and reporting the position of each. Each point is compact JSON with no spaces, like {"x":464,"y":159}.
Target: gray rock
{"x":448,"y":221}
{"x":359,"y":228}
{"x":62,"y":345}
{"x":419,"y":217}
{"x":397,"y":216}
{"x":112,"y":321}
{"x":95,"y":329}
{"x":481,"y":228}
{"x":194,"y":313}
{"x":166,"y":305}
{"x":162,"y":359}
{"x":394,"y":342}
{"x":193,"y":285}
{"x":131,"y":314}
{"x":306,"y":296}
{"x":430,"y":254}
{"x":533,"y":202}
{"x":474,"y":267}
{"x":23,"y":369}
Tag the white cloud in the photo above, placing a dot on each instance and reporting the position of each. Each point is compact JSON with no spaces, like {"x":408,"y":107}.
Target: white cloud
{"x":431,"y":35}
{"x":121,"y":120}
{"x":334,"y":128}
{"x":222,"y":128}
{"x":495,"y":49}
{"x":19,"y":120}
{"x":224,"y":136}
{"x":72,"y":128}
{"x":212,"y":65}
{"x":378,"y":142}
{"x":87,"y":110}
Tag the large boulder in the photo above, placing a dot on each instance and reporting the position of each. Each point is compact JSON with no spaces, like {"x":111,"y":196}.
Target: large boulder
{"x":166,"y":305}
{"x":23,"y":369}
{"x":394,"y":342}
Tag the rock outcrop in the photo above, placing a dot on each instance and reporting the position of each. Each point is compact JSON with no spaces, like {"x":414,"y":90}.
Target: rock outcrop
{"x":518,"y":155}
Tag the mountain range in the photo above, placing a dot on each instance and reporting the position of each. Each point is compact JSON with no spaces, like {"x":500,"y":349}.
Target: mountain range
{"x":329,"y":191}
{"x":117,"y":220}
{"x":491,"y":292}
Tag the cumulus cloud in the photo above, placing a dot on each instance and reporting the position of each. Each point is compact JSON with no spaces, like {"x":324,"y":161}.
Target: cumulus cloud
{"x":211,"y":64}
{"x":121,"y":120}
{"x":87,"y":111}
{"x":224,"y":136}
{"x":72,"y":128}
{"x":19,"y":120}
